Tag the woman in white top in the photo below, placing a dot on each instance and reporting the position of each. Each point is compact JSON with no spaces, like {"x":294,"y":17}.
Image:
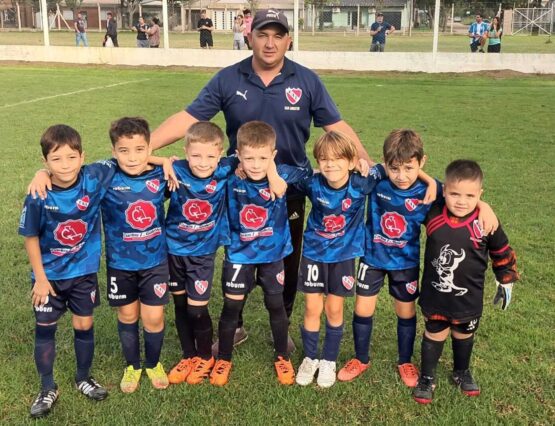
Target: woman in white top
{"x":238,"y":28}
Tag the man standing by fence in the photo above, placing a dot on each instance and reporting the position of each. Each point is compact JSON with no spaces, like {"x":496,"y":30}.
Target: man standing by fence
{"x":112,"y":29}
{"x":378,"y":31}
{"x":80,"y":31}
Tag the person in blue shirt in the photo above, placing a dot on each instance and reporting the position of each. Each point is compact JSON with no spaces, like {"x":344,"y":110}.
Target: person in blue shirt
{"x":379,"y":30}
{"x":477,"y":32}
{"x":260,"y":240}
{"x":268,"y":87}
{"x":333,"y":239}
{"x":62,"y":239}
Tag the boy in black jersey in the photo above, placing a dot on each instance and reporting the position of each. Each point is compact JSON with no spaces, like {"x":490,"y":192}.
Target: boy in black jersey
{"x":455,"y":264}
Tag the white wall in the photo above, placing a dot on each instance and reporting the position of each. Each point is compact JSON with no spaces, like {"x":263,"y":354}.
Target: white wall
{"x":356,"y":61}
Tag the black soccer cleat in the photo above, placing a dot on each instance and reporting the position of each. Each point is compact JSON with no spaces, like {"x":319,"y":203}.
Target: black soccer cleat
{"x":44,"y":402}
{"x":92,"y":389}
{"x":424,"y":391}
{"x":464,"y":380}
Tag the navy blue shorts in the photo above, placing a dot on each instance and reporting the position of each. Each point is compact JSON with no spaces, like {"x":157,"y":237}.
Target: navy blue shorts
{"x":80,"y":295}
{"x":194,"y":274}
{"x":436,"y":323}
{"x":241,"y":279}
{"x":149,"y":286}
{"x":403,"y":284}
{"x":327,"y":278}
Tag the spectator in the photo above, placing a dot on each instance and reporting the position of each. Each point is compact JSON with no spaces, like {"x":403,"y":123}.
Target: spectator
{"x":111,"y":29}
{"x":205,"y":27}
{"x":238,"y":29}
{"x":378,"y":31}
{"x":80,"y":31}
{"x":477,"y":33}
{"x":247,"y":20}
{"x":154,"y":33}
{"x":494,"y":36}
{"x":142,"y":36}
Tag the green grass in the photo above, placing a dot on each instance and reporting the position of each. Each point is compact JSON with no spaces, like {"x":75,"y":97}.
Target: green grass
{"x":503,"y":121}
{"x":419,"y":42}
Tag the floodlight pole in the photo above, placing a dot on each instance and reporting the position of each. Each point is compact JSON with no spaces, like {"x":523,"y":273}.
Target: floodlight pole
{"x":166,"y":24}
{"x":436,"y":29}
{"x":44,"y":17}
{"x":295,"y":25}
{"x":452,"y":16}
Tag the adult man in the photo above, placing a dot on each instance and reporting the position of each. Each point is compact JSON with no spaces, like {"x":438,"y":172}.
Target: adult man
{"x":205,"y":27}
{"x":477,"y":32}
{"x":80,"y":31}
{"x":112,"y":28}
{"x":142,"y":36}
{"x":247,"y":21}
{"x":270,"y":88}
{"x":378,"y":31}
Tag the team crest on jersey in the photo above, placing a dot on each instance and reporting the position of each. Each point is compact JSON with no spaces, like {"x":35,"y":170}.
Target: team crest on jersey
{"x":393,"y":224}
{"x":71,"y":232}
{"x":293,"y":95}
{"x":348,"y":281}
{"x":201,"y":286}
{"x":280,"y":277}
{"x":411,"y":287}
{"x":345,"y":204}
{"x":265,"y":193}
{"x":253,"y":216}
{"x":211,"y":187}
{"x":412,"y":204}
{"x":153,"y":185}
{"x":93,"y":296}
{"x":333,"y":223}
{"x":478,"y":231}
{"x":160,"y":289}
{"x":141,"y":214}
{"x":83,"y":203}
{"x":197,"y":211}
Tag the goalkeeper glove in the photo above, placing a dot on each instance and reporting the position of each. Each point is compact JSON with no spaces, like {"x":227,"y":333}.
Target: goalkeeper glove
{"x":504,"y":293}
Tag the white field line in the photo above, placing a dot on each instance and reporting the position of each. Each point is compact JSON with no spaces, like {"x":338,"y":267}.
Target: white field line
{"x":72,"y":93}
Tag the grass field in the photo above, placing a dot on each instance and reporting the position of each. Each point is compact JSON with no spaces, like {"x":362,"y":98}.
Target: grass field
{"x":503,"y":121}
{"x":419,"y":42}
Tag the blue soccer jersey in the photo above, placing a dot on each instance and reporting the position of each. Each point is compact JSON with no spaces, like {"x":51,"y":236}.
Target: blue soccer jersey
{"x":259,"y":226}
{"x":393,"y":226}
{"x":335,"y":228}
{"x":68,"y":223}
{"x":196,"y":222}
{"x":133,"y":220}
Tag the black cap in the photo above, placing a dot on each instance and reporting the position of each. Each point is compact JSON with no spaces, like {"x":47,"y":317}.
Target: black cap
{"x":269,"y":16}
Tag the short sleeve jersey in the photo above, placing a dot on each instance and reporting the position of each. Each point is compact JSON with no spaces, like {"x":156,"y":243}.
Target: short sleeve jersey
{"x":67,"y":223}
{"x":393,"y":225}
{"x":335,"y":228}
{"x":196,"y":222}
{"x":259,"y":227}
{"x":133,"y":219}
{"x":294,"y":99}
{"x":455,"y":264}
{"x":207,"y":22}
{"x":141,"y":35}
{"x":380,"y":36}
{"x":477,"y":28}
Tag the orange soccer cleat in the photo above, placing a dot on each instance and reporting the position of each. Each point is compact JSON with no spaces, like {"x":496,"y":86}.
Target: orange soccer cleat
{"x":285,"y":371}
{"x":409,"y":374}
{"x":220,"y":373}
{"x":352,"y":370}
{"x":181,"y":370}
{"x":201,"y":370}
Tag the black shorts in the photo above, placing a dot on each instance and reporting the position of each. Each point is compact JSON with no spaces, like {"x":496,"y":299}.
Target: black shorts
{"x":494,"y":48}
{"x":194,"y":274}
{"x":327,"y":278}
{"x":436,"y":323}
{"x":149,"y":286}
{"x":80,"y":295}
{"x":206,"y":40}
{"x":403,"y":284}
{"x":240,"y":279}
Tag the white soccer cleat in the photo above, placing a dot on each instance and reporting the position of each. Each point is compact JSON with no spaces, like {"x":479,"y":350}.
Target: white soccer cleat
{"x":307,"y":370}
{"x":326,"y":374}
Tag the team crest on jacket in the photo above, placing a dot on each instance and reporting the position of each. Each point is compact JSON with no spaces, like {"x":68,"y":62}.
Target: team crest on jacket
{"x":393,"y":224}
{"x":264,"y":193}
{"x":345,"y":204}
{"x":293,"y":95}
{"x":197,"y":211}
{"x":348,"y":281}
{"x":411,"y":287}
{"x":253,"y":216}
{"x":412,"y":204}
{"x":201,"y":286}
{"x":160,"y":289}
{"x":140,"y":214}
{"x":83,"y":203}
{"x":153,"y":185}
{"x":211,"y":187}
{"x":280,"y":277}
{"x":71,"y":232}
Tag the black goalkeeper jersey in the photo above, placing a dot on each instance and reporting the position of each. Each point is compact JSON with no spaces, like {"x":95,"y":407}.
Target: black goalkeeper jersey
{"x":456,"y":261}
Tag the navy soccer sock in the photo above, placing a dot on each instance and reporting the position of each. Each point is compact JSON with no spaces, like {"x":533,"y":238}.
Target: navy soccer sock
{"x":153,"y":347}
{"x":202,"y":328}
{"x":431,"y":351}
{"x":83,"y":343}
{"x":332,"y":341}
{"x":278,"y":323}
{"x":406,"y":333}
{"x":310,"y":342}
{"x":362,"y":334}
{"x":45,"y":354}
{"x":129,"y":338}
{"x":184,"y":326}
{"x":462,"y":351}
{"x":227,"y":326}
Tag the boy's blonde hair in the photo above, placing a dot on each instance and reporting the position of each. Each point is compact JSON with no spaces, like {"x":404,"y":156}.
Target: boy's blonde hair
{"x":335,"y":144}
{"x":401,"y":146}
{"x":256,"y":134}
{"x":205,"y":132}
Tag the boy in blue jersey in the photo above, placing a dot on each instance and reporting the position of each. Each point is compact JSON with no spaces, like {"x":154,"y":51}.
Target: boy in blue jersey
{"x":333,"y":239}
{"x":396,"y":210}
{"x":62,"y":239}
{"x":260,"y":239}
{"x":196,"y":225}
